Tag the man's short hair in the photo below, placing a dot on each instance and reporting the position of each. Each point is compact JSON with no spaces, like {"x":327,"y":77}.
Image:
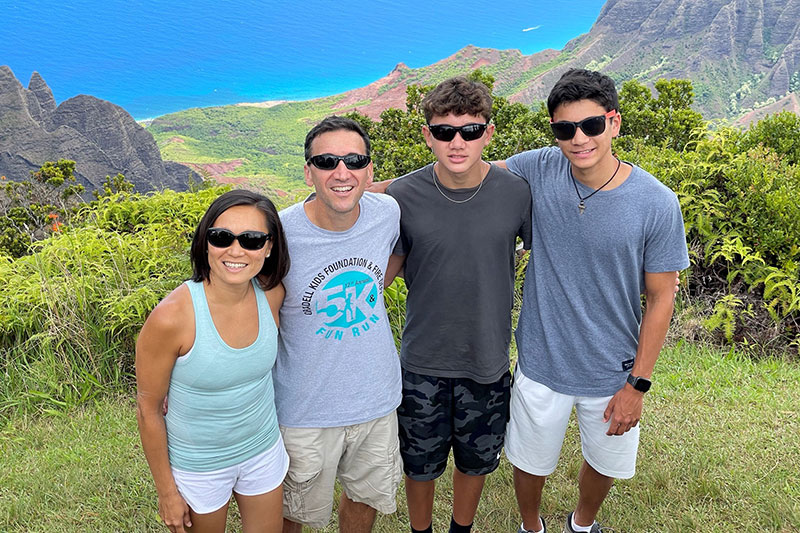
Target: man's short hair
{"x":458,"y":96}
{"x":335,"y":123}
{"x":581,"y":84}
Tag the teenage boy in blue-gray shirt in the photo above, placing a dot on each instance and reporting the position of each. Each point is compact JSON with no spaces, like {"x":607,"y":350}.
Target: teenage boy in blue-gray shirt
{"x":605,"y":232}
{"x":460,"y":219}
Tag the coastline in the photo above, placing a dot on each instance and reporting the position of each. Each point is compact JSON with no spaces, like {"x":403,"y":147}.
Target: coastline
{"x":267,"y":103}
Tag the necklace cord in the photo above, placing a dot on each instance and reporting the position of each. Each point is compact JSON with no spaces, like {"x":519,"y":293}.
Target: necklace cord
{"x":582,"y":199}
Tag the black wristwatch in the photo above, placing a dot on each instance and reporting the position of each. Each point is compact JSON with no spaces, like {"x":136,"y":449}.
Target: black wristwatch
{"x":639,"y":383}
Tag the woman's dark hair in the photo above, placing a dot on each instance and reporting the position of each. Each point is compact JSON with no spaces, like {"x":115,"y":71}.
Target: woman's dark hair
{"x":275,"y":266}
{"x":581,"y":84}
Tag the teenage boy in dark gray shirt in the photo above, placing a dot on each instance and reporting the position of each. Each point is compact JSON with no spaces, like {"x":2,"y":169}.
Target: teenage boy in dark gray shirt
{"x":460,"y":218}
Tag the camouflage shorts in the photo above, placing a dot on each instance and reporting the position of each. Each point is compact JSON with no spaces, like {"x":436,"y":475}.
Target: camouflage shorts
{"x":439,"y":413}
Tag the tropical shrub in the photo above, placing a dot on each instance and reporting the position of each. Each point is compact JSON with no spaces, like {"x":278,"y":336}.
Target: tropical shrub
{"x":35,"y":208}
{"x":76,"y":303}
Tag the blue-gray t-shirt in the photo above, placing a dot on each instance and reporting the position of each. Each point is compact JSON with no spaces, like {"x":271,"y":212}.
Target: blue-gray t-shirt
{"x":579,"y":325}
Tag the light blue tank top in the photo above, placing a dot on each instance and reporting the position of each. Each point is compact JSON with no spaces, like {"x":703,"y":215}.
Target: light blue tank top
{"x":221,"y":399}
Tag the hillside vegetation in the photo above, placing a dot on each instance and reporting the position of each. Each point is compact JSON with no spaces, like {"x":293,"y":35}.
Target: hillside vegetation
{"x":721,"y":445}
{"x":74,"y":299}
{"x":743,"y":59}
{"x":263,"y":145}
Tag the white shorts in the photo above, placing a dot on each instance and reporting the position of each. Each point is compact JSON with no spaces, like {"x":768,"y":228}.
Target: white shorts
{"x":206,"y":492}
{"x":539,"y":418}
{"x":364,"y":457}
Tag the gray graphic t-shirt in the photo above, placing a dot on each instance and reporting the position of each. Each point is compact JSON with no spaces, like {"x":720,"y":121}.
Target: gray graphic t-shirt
{"x":337,"y":363}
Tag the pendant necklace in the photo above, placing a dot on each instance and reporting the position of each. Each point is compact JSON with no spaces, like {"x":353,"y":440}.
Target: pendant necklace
{"x":582,"y":202}
{"x":436,"y":183}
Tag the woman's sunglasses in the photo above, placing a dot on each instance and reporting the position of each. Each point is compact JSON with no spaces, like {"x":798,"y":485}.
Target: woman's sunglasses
{"x":330,"y":161}
{"x":565,"y":130}
{"x":249,"y":240}
{"x":446,"y":132}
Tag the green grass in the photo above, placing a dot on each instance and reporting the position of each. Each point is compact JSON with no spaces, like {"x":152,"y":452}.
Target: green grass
{"x":719,"y":452}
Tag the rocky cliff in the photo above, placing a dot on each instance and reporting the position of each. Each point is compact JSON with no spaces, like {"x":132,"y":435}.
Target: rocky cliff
{"x":102,"y":138}
{"x":739,"y":54}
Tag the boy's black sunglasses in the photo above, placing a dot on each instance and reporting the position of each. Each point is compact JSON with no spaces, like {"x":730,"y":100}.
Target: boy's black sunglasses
{"x":330,"y":161}
{"x":565,"y":130}
{"x":446,"y":132}
{"x":249,"y":240}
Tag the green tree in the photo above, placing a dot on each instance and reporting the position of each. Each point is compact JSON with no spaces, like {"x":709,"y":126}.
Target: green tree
{"x":32,"y":209}
{"x":667,"y":121}
{"x":58,"y":176}
{"x":779,"y":133}
{"x":112,"y":186}
{"x":399,"y":146}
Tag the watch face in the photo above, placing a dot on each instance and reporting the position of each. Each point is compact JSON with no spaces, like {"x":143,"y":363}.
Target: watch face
{"x":640,"y":384}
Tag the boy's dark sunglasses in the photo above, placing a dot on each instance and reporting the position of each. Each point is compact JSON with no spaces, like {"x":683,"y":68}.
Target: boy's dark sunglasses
{"x":330,"y":161}
{"x":249,"y":240}
{"x":446,"y":132}
{"x":565,"y":130}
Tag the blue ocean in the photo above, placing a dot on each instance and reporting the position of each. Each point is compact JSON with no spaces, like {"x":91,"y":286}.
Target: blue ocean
{"x":154,"y":57}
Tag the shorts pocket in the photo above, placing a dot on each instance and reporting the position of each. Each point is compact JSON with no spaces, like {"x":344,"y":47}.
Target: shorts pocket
{"x":296,"y":487}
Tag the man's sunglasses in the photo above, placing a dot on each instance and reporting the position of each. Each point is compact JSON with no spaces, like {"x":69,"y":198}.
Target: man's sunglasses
{"x":249,"y":240}
{"x":330,"y":161}
{"x":565,"y":130}
{"x":446,"y":132}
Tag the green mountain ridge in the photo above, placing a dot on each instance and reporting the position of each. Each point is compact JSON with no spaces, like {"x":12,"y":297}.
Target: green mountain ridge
{"x":742,"y":58}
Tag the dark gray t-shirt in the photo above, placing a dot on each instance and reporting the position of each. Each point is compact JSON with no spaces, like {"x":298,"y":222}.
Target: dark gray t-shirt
{"x":578,"y":328}
{"x":459,"y":272}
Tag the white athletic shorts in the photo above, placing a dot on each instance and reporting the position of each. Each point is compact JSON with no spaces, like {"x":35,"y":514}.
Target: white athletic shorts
{"x":539,"y":417}
{"x":206,"y":492}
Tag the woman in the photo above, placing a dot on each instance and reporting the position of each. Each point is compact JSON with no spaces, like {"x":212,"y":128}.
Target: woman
{"x":211,"y":343}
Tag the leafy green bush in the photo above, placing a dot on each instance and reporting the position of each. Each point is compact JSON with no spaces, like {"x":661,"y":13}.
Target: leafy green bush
{"x":71,"y":309}
{"x":779,"y":133}
{"x":34,"y":208}
{"x":123,"y":212}
{"x":741,"y":210}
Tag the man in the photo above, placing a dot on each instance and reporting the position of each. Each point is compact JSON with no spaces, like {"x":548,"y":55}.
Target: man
{"x":460,"y":218}
{"x":337,"y":377}
{"x":605,"y":232}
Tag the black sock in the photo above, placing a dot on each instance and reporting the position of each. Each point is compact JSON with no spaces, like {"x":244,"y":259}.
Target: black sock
{"x":455,"y":527}
{"x":428,"y":529}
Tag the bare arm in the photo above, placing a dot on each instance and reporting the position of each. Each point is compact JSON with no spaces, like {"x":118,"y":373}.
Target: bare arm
{"x":161,"y":341}
{"x":380,"y":186}
{"x":275,"y":298}
{"x":625,"y":408}
{"x":394,"y":268}
{"x":501,"y":164}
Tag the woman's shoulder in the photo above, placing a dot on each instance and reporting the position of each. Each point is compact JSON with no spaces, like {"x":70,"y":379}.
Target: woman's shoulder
{"x":170,"y":326}
{"x":172,"y":313}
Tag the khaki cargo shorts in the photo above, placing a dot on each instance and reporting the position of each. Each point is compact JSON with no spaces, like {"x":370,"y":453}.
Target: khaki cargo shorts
{"x":364,"y":457}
